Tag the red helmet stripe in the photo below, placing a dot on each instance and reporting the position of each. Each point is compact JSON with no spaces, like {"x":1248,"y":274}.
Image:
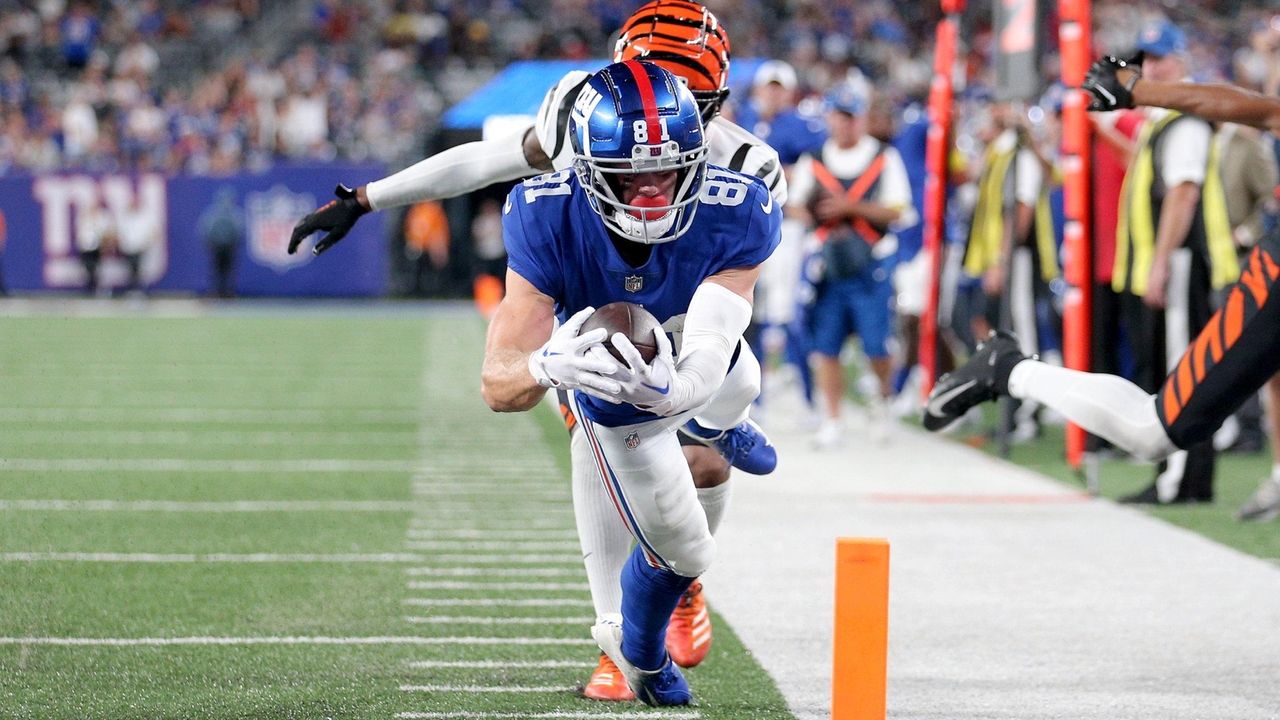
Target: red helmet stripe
{"x":647,"y":99}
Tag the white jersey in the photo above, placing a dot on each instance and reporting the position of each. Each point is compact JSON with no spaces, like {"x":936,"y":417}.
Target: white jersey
{"x":727,"y":144}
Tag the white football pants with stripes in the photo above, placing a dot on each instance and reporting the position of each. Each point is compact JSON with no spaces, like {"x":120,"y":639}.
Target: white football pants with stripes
{"x":633,"y":482}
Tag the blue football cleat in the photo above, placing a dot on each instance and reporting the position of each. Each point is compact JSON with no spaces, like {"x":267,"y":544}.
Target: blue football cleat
{"x":745,"y":446}
{"x":663,"y":687}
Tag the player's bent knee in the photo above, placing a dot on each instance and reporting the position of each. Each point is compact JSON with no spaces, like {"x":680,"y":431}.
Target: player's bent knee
{"x":1153,"y":445}
{"x":708,"y":466}
{"x":695,"y":558}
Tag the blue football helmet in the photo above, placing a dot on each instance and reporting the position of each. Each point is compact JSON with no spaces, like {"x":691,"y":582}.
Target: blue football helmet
{"x":631,"y":118}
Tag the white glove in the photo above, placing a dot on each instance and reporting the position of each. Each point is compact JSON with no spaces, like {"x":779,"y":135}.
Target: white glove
{"x":647,"y":386}
{"x":577,"y":362}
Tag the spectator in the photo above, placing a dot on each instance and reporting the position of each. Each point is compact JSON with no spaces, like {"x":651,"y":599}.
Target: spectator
{"x":426,"y":235}
{"x":95,"y":232}
{"x":137,"y":235}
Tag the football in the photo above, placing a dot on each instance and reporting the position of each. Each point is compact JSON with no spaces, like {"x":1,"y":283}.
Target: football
{"x":632,"y":321}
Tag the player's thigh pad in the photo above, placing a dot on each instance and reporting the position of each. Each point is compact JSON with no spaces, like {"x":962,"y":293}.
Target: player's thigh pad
{"x":648,"y":481}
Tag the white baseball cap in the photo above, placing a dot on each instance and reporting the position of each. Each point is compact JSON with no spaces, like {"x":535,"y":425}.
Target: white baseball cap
{"x":776,"y":71}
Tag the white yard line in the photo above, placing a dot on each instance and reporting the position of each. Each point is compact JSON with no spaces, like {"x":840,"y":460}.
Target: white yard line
{"x":292,"y":640}
{"x":503,"y":559}
{"x":513,"y":546}
{"x":585,"y":622}
{"x":353,"y":438}
{"x":295,"y":416}
{"x":489,"y":688}
{"x":524,"y":490}
{"x":554,"y":715}
{"x":432,"y":533}
{"x":496,"y":602}
{"x":495,"y":572}
{"x":209,"y":557}
{"x":210,"y":506}
{"x":215,"y":466}
{"x":498,"y":664}
{"x":463,"y":585}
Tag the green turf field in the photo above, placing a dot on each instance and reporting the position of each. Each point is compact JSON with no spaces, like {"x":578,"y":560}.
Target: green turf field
{"x":276,"y":516}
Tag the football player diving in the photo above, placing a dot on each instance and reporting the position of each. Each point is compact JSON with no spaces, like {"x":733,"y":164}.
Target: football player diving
{"x":642,"y":201}
{"x":687,"y":40}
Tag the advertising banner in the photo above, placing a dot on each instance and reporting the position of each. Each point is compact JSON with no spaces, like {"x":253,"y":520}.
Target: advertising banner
{"x":59,"y":226}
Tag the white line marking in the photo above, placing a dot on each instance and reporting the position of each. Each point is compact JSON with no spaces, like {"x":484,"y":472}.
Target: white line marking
{"x":211,"y":506}
{"x":499,"y":664}
{"x":209,"y":558}
{"x":530,"y":529}
{"x":493,"y":602}
{"x":554,"y":715}
{"x":456,"y":585}
{"x":475,"y":620}
{"x":504,"y":559}
{"x":567,"y":547}
{"x":495,"y":572}
{"x":488,"y":688}
{"x":354,"y":438}
{"x":529,"y":491}
{"x":284,"y":640}
{"x":203,"y":415}
{"x":187,"y":465}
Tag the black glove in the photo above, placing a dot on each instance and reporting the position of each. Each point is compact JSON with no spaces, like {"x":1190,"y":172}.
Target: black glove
{"x":337,"y":217}
{"x":1104,"y":85}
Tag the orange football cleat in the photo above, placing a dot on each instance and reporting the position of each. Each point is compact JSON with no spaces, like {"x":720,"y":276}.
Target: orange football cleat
{"x":607,"y":683}
{"x":689,"y":634}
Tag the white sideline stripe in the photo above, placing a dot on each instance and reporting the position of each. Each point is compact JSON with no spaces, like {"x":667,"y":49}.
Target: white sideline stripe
{"x":504,"y":559}
{"x":286,"y":640}
{"x":556,"y":715}
{"x":210,"y":557}
{"x":495,"y":572}
{"x":479,"y":620}
{"x":488,"y":688}
{"x":493,"y":602}
{"x":568,"y":547}
{"x":188,"y":437}
{"x":499,"y":664}
{"x":457,"y":585}
{"x":212,"y":506}
{"x":187,"y":465}
{"x":297,"y":416}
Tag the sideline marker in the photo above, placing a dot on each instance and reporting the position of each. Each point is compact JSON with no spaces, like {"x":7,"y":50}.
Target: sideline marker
{"x":859,"y":673}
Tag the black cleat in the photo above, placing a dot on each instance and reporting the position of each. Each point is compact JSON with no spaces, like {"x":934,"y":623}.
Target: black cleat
{"x":984,"y":377}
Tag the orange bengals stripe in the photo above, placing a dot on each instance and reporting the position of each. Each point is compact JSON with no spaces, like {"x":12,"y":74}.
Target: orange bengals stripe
{"x":1198,"y":352}
{"x":1214,"y":332}
{"x":1252,"y":278}
{"x":1233,"y":317}
{"x":1172,"y":408}
{"x":1273,"y":270}
{"x":1185,"y":383}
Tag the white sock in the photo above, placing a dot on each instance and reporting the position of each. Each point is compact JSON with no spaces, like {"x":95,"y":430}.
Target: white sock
{"x":1105,"y":405}
{"x":605,"y":540}
{"x":714,"y":502}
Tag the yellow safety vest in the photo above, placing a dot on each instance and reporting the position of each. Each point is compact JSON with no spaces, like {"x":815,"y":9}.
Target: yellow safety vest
{"x":987,"y":231}
{"x":1210,"y":233}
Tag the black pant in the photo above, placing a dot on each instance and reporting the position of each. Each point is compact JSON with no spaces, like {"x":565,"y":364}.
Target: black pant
{"x":90,"y":259}
{"x":224,"y":262}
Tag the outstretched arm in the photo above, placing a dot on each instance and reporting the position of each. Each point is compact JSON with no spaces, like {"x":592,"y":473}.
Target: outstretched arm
{"x":1218,"y":102}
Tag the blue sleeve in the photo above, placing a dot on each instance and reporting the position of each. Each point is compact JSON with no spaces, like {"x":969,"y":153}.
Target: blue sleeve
{"x":763,"y":230}
{"x":530,"y":250}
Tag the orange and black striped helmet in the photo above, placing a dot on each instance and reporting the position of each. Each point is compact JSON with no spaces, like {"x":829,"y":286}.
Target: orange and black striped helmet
{"x":686,"y":39}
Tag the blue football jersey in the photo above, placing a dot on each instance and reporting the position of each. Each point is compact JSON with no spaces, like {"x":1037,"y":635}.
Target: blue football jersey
{"x":791,"y":133}
{"x":557,"y":242}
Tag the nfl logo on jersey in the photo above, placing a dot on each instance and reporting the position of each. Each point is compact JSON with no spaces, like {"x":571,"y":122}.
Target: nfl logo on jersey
{"x":632,"y":283}
{"x":632,"y":441}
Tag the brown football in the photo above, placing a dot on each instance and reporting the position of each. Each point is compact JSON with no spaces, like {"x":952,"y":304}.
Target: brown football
{"x":633,"y":321}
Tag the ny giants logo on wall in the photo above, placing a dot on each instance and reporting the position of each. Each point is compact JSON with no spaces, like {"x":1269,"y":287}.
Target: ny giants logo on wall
{"x":270,"y":217}
{"x":81,"y":212}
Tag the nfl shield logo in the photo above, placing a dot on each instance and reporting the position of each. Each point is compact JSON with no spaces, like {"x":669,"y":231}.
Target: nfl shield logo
{"x":632,"y":441}
{"x":271,"y":216}
{"x":632,"y":283}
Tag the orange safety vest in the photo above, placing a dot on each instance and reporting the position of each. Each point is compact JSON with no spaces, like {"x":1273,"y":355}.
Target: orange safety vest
{"x":856,"y":191}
